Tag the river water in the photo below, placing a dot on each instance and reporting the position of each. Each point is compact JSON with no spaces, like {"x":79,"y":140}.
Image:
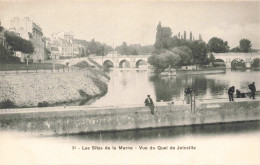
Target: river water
{"x":132,"y":86}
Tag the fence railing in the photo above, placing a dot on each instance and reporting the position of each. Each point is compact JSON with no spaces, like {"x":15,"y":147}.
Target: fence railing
{"x":35,"y":71}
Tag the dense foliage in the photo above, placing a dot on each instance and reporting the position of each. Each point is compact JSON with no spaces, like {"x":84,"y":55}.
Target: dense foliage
{"x":7,"y":56}
{"x":7,"y":104}
{"x":256,"y":63}
{"x":164,"y":60}
{"x":93,"y":47}
{"x":124,"y":49}
{"x":217,"y":45}
{"x":16,"y":43}
{"x":245,"y":45}
{"x":186,"y":52}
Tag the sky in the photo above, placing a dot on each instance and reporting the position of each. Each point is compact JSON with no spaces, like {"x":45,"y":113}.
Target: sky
{"x":134,"y":22}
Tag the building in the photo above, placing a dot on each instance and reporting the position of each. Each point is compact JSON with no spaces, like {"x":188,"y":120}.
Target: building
{"x":63,"y":41}
{"x":29,"y":30}
{"x":2,"y":36}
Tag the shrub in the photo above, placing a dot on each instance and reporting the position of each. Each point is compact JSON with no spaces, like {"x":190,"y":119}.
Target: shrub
{"x":82,"y":64}
{"x":43,"y":104}
{"x":7,"y":104}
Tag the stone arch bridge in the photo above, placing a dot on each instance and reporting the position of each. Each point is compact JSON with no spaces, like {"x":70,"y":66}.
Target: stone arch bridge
{"x":228,"y":58}
{"x":131,"y":61}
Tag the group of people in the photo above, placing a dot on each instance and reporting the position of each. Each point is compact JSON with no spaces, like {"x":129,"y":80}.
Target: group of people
{"x":231,"y":91}
{"x":188,"y":91}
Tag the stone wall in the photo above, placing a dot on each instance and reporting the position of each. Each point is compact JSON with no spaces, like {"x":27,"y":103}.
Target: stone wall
{"x":73,"y":120}
{"x":27,"y":90}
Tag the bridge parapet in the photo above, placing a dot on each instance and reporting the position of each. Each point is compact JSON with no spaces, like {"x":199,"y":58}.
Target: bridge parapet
{"x":229,"y":57}
{"x":132,"y":60}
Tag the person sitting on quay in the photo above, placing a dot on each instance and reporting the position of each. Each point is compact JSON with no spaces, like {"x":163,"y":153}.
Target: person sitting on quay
{"x":149,"y":102}
{"x":231,"y":91}
{"x":239,"y":94}
{"x":188,"y":92}
{"x":252,"y":89}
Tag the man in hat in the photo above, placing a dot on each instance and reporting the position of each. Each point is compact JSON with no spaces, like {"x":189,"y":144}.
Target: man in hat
{"x":252,"y":89}
{"x":149,"y":102}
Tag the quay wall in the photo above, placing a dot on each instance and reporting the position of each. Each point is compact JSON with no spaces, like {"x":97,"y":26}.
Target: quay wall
{"x":27,"y":90}
{"x":83,"y":119}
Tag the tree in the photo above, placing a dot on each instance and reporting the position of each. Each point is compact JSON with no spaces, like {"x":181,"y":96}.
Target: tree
{"x":147,"y":49}
{"x":16,"y":43}
{"x":97,"y":48}
{"x":132,"y":50}
{"x":185,"y":55}
{"x":163,"y":34}
{"x":256,"y":63}
{"x":211,"y":58}
{"x":217,"y":45}
{"x":184,"y":35}
{"x":199,"y":52}
{"x":191,"y":36}
{"x":7,"y":56}
{"x":126,"y":50}
{"x":235,"y":50}
{"x":245,"y":45}
{"x":164,"y":60}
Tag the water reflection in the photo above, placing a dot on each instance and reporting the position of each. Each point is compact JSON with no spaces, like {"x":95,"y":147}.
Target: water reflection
{"x":131,"y":86}
{"x":171,"y":88}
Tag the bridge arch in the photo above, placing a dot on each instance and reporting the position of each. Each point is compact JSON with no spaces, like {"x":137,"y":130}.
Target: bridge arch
{"x":108,"y":64}
{"x":238,"y":63}
{"x":255,"y":62}
{"x":140,"y":62}
{"x":124,"y":63}
{"x":219,"y":63}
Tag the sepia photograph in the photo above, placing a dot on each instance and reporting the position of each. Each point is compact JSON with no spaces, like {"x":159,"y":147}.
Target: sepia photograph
{"x":129,"y":82}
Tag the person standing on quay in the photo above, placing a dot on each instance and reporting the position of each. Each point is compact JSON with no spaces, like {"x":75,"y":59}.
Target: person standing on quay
{"x":252,"y":89}
{"x":187,"y":92}
{"x":149,"y":102}
{"x":231,"y":91}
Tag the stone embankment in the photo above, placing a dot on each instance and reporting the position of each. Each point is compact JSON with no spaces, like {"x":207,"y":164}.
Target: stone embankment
{"x":28,"y":90}
{"x":87,"y":119}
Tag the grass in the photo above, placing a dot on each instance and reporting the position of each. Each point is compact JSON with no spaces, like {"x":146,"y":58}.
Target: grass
{"x":33,"y":66}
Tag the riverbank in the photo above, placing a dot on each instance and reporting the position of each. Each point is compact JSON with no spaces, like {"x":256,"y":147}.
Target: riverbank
{"x":201,"y":71}
{"x":176,"y":72}
{"x":48,"y":89}
{"x":86,"y":119}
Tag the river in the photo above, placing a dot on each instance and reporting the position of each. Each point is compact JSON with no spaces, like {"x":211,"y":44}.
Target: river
{"x":131,"y":86}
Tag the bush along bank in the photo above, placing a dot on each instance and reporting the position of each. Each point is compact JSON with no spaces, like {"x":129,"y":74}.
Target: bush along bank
{"x":50,"y":89}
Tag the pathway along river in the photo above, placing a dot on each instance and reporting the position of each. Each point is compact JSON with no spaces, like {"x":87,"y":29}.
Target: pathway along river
{"x":128,"y":87}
